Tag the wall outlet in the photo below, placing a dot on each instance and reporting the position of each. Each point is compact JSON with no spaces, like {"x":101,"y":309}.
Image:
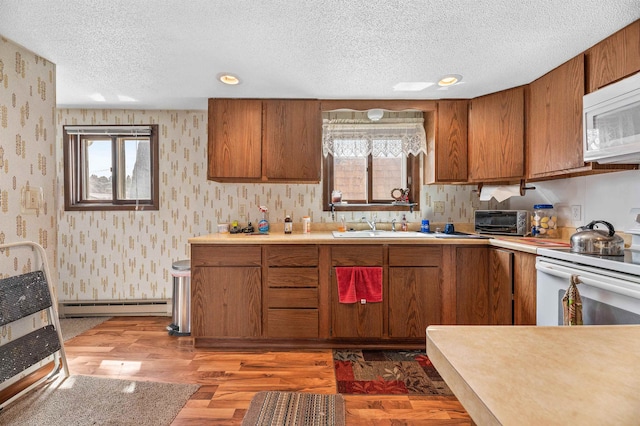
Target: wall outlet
{"x":438,"y":207}
{"x":242,"y":210}
{"x":576,"y":213}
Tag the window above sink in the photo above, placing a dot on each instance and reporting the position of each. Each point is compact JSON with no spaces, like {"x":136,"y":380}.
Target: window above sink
{"x":372,"y":165}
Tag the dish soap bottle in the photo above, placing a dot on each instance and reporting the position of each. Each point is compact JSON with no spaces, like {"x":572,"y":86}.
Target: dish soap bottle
{"x":288,"y":224}
{"x":263,"y":224}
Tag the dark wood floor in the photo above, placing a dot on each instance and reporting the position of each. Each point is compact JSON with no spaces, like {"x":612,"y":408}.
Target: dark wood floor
{"x":139,"y":348}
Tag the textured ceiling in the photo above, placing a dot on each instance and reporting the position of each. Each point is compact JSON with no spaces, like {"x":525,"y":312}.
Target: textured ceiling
{"x":156,"y":54}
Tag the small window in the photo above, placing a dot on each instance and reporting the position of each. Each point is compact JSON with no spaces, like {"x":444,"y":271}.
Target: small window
{"x":111,"y":167}
{"x":367,"y":161}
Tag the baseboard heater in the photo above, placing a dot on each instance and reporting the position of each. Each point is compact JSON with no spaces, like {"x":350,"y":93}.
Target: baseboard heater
{"x":102,"y":308}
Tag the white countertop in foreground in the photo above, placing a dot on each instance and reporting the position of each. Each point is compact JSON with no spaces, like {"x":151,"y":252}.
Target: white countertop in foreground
{"x":532,"y":375}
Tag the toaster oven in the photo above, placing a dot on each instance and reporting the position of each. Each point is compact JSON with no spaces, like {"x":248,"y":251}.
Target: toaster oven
{"x":503,"y":222}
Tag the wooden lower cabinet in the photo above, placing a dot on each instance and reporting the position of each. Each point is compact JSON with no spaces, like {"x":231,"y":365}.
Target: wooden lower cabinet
{"x":483,"y":297}
{"x":516,"y":270}
{"x":356,"y":320}
{"x":415,"y":296}
{"x":414,"y":300}
{"x":286,"y":295}
{"x":226,"y":291}
{"x":524,"y":289}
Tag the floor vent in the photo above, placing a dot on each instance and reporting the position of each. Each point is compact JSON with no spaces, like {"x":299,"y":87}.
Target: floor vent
{"x":102,"y":308}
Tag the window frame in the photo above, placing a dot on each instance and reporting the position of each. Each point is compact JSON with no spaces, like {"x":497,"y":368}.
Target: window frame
{"x":413,"y":183}
{"x":75,"y":156}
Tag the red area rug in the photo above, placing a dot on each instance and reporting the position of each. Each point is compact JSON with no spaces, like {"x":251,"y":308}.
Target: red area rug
{"x":367,"y":372}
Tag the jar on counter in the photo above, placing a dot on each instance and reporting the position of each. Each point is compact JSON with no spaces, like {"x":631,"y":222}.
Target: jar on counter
{"x":544,"y":221}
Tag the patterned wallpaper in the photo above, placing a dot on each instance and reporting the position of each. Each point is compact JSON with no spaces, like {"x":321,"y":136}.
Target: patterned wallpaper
{"x":27,"y":160}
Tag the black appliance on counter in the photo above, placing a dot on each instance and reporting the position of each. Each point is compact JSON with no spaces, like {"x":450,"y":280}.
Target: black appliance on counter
{"x":515,"y":223}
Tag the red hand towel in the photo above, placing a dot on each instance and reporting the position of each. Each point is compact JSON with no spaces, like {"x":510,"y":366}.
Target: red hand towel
{"x":346,"y":284}
{"x":357,"y":282}
{"x":368,"y":283}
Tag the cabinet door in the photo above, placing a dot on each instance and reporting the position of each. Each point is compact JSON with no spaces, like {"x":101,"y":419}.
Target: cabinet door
{"x":614,"y":58}
{"x":501,"y":276}
{"x":554,"y":125}
{"x":233,"y":302}
{"x":292,"y":136}
{"x":356,"y":320}
{"x":496,"y":136}
{"x":235,"y":139}
{"x":524,"y":289}
{"x":415,"y":300}
{"x":448,"y":162}
{"x":472,"y":292}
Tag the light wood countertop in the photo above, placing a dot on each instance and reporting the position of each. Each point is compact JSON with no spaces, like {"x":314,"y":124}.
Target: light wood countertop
{"x":532,"y":375}
{"x":322,"y":237}
{"x":529,"y":245}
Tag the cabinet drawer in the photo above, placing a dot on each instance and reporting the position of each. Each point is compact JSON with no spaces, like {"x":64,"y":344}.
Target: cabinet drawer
{"x":415,"y":256}
{"x":226,"y":255}
{"x":292,"y":323}
{"x":292,"y":298}
{"x":292,"y":255}
{"x":356,"y":255}
{"x":292,"y":277}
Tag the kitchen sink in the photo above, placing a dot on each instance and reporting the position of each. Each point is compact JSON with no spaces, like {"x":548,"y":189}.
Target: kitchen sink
{"x":398,"y":234}
{"x":381,"y":234}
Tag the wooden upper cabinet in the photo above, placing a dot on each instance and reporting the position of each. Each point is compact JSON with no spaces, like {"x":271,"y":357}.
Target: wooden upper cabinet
{"x":614,"y":58}
{"x":255,"y":140}
{"x":235,"y":139}
{"x":292,"y":135}
{"x":447,"y":159}
{"x":554,"y":121}
{"x":496,"y":136}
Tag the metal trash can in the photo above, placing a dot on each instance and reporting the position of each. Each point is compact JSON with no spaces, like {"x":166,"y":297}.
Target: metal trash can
{"x":181,"y":273}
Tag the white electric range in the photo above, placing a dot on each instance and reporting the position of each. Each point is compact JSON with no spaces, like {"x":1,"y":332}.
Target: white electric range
{"x":609,"y":289}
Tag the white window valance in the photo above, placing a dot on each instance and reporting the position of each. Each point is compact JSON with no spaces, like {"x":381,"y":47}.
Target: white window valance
{"x":388,"y":138}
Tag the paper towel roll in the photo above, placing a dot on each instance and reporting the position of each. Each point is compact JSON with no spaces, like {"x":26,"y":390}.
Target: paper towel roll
{"x":500,"y":193}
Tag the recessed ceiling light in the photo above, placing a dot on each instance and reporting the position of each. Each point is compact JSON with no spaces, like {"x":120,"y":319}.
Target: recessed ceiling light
{"x":450,"y":80}
{"x":412,"y":86}
{"x":229,"y":79}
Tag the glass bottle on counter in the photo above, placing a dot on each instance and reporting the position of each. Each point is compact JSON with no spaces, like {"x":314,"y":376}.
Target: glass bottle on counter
{"x":404,"y":226}
{"x":288,"y":225}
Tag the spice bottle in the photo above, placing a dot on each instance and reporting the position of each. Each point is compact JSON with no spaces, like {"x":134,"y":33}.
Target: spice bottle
{"x":288,"y":225}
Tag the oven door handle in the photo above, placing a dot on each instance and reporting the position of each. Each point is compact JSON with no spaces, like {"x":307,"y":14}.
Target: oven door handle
{"x":611,"y":284}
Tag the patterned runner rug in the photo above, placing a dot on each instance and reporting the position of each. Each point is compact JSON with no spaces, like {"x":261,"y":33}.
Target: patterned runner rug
{"x":295,"y":408}
{"x":387,"y":373}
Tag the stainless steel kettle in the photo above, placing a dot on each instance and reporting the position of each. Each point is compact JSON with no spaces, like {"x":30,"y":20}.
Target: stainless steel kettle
{"x":588,"y":240}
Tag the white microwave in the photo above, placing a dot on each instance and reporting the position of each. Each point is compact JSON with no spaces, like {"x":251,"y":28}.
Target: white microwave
{"x":611,"y":120}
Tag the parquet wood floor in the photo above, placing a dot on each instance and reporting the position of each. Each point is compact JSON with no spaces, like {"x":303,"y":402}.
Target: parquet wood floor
{"x":139,"y":348}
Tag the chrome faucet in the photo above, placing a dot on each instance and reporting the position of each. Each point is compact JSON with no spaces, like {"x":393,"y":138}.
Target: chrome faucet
{"x":393,"y":224}
{"x":371,"y":224}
